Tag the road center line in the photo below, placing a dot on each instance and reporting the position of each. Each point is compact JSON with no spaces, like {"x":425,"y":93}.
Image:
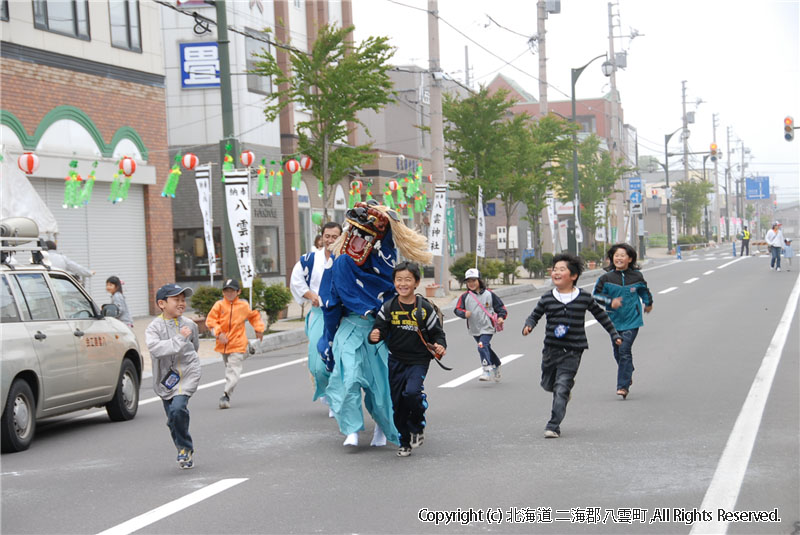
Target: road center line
{"x":724,"y":489}
{"x":458,"y":381}
{"x":159,"y":513}
{"x":732,"y":262}
{"x":668,"y":290}
{"x":709,"y":272}
{"x":689,"y":281}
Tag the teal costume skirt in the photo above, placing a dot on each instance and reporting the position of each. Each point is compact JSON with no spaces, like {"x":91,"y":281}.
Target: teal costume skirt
{"x":320,"y":375}
{"x":360,"y":365}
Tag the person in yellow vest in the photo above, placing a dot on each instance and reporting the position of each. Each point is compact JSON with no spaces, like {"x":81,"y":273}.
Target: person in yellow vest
{"x":745,"y":242}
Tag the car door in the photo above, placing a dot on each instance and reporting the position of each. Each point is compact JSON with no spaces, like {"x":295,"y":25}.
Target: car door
{"x":97,"y":364}
{"x":52,"y":339}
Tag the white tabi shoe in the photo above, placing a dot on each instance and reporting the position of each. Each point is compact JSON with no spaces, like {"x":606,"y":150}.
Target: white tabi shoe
{"x":378,"y":438}
{"x":351,"y":440}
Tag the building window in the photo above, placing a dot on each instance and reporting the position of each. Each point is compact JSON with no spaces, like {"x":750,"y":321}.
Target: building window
{"x":266,"y":250}
{"x":191,"y":258}
{"x":67,"y":17}
{"x":4,"y":10}
{"x":255,"y":82}
{"x":587,"y":123}
{"x":125,"y":29}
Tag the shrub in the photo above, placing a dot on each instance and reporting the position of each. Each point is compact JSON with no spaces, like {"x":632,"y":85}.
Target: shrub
{"x":590,"y":255}
{"x":547,"y":260}
{"x":489,"y":269}
{"x":535,"y":267}
{"x":509,"y":271}
{"x":272,"y":300}
{"x":204,"y":298}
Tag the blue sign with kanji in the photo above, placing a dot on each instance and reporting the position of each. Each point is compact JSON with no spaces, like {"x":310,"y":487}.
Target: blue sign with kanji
{"x":634,"y":183}
{"x":757,"y":187}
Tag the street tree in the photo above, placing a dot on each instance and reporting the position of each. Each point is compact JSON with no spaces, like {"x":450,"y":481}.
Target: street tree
{"x":688,"y":200}
{"x":331,"y":84}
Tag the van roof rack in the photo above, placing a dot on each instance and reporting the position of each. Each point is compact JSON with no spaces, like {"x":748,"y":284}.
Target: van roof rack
{"x":16,"y":235}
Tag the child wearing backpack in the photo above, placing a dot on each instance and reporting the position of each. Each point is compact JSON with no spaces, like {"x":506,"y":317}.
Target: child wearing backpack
{"x":410,"y":326}
{"x":485,"y":314}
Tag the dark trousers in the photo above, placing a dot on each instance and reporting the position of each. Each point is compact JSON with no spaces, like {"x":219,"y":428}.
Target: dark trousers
{"x":406,"y":383}
{"x":177,"y":410}
{"x":485,"y":351}
{"x":559,"y":367}
{"x":745,"y":245}
{"x":623,"y":354}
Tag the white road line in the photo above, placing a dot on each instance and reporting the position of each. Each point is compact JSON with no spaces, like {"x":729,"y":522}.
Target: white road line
{"x":475,"y":373}
{"x":724,"y":489}
{"x":668,"y":290}
{"x":732,"y":261}
{"x":689,"y":281}
{"x":159,"y":513}
{"x":709,"y":272}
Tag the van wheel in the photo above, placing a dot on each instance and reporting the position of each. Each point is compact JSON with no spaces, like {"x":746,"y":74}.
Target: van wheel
{"x":19,"y":418}
{"x":125,"y":403}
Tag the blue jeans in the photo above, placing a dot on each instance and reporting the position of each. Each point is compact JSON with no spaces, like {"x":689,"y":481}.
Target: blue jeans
{"x":408,"y":397}
{"x":177,"y":410}
{"x":485,"y":351}
{"x":776,"y":257}
{"x":559,"y":367}
{"x":624,"y":358}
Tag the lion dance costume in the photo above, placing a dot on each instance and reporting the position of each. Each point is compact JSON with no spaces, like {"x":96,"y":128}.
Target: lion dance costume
{"x":352,"y":291}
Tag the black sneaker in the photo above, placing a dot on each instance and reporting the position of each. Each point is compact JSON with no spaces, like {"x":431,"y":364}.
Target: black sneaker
{"x":404,"y":451}
{"x":185,"y":459}
{"x":416,"y":440}
{"x":225,"y":402}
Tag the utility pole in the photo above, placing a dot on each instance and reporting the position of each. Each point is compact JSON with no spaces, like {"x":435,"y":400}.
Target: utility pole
{"x":614,"y":133}
{"x":466,"y":66}
{"x":541,"y":16}
{"x":229,"y":264}
{"x":714,"y":118}
{"x":685,"y":133}
{"x":728,"y":182}
{"x":437,"y":131}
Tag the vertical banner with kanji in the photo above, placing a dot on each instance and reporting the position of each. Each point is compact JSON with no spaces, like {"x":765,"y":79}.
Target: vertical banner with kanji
{"x":600,"y":217}
{"x":552,"y":220}
{"x":203,"y":183}
{"x":436,"y":233}
{"x":451,"y":230}
{"x":237,"y":200}
{"x":480,"y":242}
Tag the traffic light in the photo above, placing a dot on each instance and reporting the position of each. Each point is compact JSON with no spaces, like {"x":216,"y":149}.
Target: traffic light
{"x":788,"y":129}
{"x":713,"y":152}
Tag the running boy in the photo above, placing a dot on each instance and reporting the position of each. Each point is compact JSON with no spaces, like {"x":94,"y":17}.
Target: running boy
{"x":401,"y":322}
{"x":173,"y":342}
{"x":226,"y":320}
{"x":565,"y":337}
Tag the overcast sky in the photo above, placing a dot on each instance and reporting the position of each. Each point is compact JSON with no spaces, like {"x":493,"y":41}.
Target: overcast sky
{"x":741,"y":57}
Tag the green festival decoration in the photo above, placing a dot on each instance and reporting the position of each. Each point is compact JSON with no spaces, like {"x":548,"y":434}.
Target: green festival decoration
{"x":72,"y":186}
{"x":88,"y":186}
{"x":388,"y":201}
{"x":115,"y":185}
{"x":227,"y":160}
{"x":172,"y":181}
{"x":316,"y":218}
{"x":262,"y":177}
{"x":275,"y":185}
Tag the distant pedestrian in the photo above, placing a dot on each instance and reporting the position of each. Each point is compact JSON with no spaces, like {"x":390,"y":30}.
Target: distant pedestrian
{"x":304,"y":284}
{"x":318,"y":241}
{"x":114,"y":287}
{"x":401,"y":322}
{"x":565,"y":335}
{"x":61,"y":261}
{"x":173,"y":343}
{"x":788,"y":253}
{"x":485,"y":314}
{"x":745,"y":242}
{"x":623,"y":290}
{"x":226,"y":320}
{"x":775,"y":242}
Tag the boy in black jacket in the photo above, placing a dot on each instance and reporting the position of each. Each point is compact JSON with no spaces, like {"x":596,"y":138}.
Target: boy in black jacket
{"x":565,"y":337}
{"x":413,"y":334}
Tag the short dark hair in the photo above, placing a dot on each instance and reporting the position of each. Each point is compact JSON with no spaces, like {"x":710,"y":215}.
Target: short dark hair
{"x":113,"y":279}
{"x":574,"y":263}
{"x":331,"y":224}
{"x":411,"y":267}
{"x":630,"y":251}
{"x":51,"y":245}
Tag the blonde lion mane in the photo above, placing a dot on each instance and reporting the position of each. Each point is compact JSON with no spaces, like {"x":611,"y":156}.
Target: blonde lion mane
{"x":411,"y":244}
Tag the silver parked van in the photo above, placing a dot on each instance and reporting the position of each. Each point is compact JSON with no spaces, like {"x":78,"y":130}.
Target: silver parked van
{"x":59,"y":351}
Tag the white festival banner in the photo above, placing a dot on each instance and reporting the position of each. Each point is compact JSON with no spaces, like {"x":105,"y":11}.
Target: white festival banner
{"x":480,"y":243}
{"x":203,"y":182}
{"x":237,"y":201}
{"x":436,"y":233}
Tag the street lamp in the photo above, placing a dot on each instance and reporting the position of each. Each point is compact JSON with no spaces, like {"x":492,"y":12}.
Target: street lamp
{"x":669,"y":193}
{"x":608,"y":68}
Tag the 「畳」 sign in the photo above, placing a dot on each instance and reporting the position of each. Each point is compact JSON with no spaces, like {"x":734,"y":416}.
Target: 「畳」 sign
{"x":203,"y":183}
{"x":199,"y":65}
{"x":237,"y":201}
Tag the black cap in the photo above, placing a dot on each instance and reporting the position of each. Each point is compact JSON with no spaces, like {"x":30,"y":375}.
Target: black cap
{"x":171,"y":290}
{"x":230,"y":283}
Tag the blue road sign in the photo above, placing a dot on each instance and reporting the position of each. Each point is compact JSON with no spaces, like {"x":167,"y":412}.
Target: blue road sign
{"x":635,"y":182}
{"x":636,"y":196}
{"x":757,"y":188}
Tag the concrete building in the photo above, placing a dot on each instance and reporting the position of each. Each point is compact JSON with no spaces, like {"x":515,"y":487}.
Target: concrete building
{"x":84,"y":81}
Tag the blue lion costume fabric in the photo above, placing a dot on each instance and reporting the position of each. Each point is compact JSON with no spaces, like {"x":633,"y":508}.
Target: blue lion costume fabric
{"x":351,"y":297}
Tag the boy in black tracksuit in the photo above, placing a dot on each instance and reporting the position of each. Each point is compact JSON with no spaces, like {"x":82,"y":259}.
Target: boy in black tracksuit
{"x":409,"y":323}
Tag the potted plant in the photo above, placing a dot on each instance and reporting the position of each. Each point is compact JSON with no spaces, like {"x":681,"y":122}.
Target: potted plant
{"x":430,"y":289}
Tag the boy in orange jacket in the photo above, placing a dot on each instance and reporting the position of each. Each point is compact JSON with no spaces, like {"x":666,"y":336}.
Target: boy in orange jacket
{"x":226,"y":321}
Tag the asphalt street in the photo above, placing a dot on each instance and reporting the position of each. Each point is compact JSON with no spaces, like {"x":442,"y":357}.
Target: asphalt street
{"x":709,"y":432}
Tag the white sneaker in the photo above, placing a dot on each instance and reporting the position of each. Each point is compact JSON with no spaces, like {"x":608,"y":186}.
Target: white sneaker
{"x":551,"y":434}
{"x":777,"y":269}
{"x":496,"y":374}
{"x":378,"y":438}
{"x":486,"y":375}
{"x":351,"y":440}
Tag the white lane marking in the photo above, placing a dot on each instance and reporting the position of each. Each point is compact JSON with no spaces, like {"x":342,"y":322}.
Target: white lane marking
{"x":732,"y":261}
{"x":589,"y":323}
{"x":159,"y":513}
{"x":693,"y":260}
{"x":668,"y":290}
{"x":689,"y":281}
{"x":475,"y":373}
{"x":709,"y":272}
{"x":724,"y":489}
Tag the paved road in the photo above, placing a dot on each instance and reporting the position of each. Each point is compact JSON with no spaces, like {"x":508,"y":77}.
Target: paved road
{"x":274,"y":462}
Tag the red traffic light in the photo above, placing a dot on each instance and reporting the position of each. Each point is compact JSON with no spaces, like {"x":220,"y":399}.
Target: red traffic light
{"x":788,"y":128}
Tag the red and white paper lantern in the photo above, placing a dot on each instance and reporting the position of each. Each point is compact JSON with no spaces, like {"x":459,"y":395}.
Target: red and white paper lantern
{"x":28,"y":162}
{"x":306,"y":163}
{"x":292,"y":166}
{"x":356,"y":185}
{"x":127,"y":165}
{"x":247,"y":158}
{"x":393,"y":185}
{"x":189,"y":161}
